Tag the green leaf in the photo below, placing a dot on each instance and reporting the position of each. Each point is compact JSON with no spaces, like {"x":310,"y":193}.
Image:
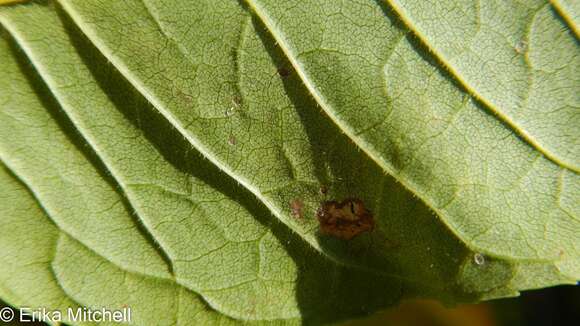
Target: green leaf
{"x":179,"y":151}
{"x":517,"y":58}
{"x":569,"y":11}
{"x":213,"y":238}
{"x":468,"y":166}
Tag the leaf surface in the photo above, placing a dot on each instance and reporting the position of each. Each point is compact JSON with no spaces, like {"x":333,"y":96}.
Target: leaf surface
{"x":180,"y":151}
{"x":516,"y":57}
{"x":410,"y":116}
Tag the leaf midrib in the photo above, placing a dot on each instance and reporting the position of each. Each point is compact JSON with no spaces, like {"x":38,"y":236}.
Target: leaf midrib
{"x":197,"y":144}
{"x":176,"y":285}
{"x":46,"y":78}
{"x":566,"y":17}
{"x":473,"y":92}
{"x":236,"y":177}
{"x":45,"y":75}
{"x":206,"y":152}
{"x":367,"y":149}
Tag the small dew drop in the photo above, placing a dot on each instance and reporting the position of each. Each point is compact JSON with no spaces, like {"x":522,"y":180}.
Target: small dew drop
{"x":479,"y":259}
{"x":230,"y":111}
{"x":521,"y":47}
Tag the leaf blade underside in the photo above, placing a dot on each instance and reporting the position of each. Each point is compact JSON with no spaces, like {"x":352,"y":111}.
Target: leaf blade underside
{"x":197,"y":146}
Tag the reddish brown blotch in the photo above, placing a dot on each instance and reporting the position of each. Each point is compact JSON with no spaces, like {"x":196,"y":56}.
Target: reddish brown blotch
{"x":296,"y":207}
{"x":344,"y":220}
{"x":283,"y":72}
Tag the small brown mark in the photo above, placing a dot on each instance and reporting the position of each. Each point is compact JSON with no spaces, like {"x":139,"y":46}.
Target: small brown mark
{"x":344,"y":220}
{"x":232,"y":140}
{"x":283,"y":72}
{"x":237,"y":101}
{"x":323,"y":190}
{"x":185,"y":97}
{"x":296,"y":207}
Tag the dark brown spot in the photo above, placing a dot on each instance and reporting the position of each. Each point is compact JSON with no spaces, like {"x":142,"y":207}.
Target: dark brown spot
{"x":283,"y":72}
{"x":296,"y":207}
{"x":344,"y":220}
{"x":323,"y":190}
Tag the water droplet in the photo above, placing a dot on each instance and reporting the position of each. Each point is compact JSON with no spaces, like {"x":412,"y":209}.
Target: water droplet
{"x":521,"y":47}
{"x":230,"y":111}
{"x":479,"y":259}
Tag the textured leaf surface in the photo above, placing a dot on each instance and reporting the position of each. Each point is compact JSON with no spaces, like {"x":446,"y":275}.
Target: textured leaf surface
{"x":163,"y":147}
{"x":569,"y":10}
{"x":470,"y":168}
{"x":516,"y":57}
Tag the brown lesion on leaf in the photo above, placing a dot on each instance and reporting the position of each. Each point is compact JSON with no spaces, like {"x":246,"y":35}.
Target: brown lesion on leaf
{"x":237,"y":101}
{"x":283,"y":72}
{"x":296,"y":207}
{"x":186,"y":98}
{"x":344,"y":220}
